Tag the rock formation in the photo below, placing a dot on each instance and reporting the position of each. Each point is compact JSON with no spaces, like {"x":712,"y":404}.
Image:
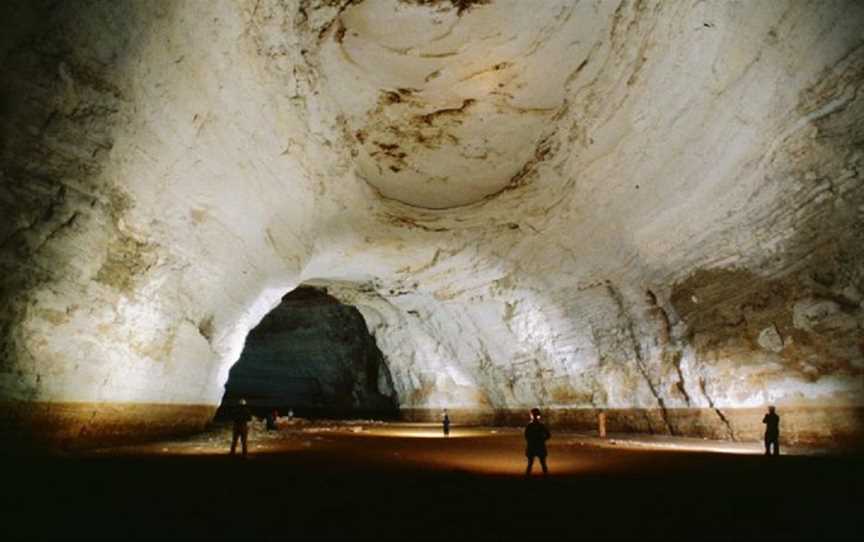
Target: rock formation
{"x":653,"y":208}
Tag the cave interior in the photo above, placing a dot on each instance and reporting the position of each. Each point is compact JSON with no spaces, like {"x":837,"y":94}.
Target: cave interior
{"x":366,"y":212}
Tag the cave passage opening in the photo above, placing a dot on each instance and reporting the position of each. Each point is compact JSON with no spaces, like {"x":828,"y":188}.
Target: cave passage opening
{"x":312,"y":356}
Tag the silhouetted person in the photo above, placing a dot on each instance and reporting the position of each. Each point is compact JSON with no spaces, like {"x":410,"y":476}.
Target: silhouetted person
{"x":446,"y":424}
{"x":271,"y":419}
{"x":772,"y":431}
{"x":536,"y":436}
{"x":242,"y":417}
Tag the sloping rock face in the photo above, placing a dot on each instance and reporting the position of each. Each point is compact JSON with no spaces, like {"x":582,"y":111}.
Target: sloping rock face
{"x":312,"y":355}
{"x":652,"y":208}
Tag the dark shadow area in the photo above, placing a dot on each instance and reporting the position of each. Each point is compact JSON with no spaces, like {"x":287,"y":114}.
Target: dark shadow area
{"x":314,"y":357}
{"x":356,"y":487}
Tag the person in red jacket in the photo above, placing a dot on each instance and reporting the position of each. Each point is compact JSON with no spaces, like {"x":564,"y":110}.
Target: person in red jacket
{"x":536,"y":436}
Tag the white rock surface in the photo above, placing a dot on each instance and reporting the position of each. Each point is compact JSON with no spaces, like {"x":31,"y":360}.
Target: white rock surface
{"x":770,"y":339}
{"x":496,"y":185}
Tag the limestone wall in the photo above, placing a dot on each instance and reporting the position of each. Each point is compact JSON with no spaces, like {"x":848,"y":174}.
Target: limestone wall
{"x":582,"y":205}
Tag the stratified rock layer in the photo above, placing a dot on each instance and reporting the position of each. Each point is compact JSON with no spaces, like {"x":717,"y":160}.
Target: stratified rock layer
{"x":647,"y":207}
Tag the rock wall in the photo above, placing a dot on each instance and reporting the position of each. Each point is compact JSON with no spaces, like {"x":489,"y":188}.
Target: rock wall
{"x":639,"y":206}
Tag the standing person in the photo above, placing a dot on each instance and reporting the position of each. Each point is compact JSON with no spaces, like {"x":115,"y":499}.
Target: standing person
{"x":772,"y":431}
{"x":536,"y":436}
{"x":446,"y":424}
{"x":271,"y":419}
{"x":242,"y":417}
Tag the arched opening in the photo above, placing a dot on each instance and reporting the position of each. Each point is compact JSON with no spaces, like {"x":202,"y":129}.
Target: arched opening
{"x":312,"y":356}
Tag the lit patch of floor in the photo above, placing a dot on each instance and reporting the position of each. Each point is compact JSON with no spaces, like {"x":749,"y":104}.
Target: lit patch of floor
{"x":374,"y":480}
{"x":481,"y":450}
{"x":426,"y":430}
{"x":689,"y":444}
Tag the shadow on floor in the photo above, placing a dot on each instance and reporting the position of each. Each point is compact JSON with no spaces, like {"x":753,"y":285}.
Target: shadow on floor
{"x":343,"y":485}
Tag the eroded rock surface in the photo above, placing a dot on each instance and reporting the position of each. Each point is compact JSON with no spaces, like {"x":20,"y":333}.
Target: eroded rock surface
{"x":578,"y":205}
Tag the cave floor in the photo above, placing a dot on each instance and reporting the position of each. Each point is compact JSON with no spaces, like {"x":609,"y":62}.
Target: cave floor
{"x":376,"y":481}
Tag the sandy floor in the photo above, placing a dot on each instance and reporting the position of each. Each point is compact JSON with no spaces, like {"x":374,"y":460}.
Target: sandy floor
{"x":376,"y":480}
